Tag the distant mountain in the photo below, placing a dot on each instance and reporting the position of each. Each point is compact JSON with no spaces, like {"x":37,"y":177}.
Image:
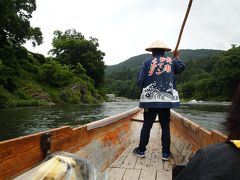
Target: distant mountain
{"x":130,"y":63}
{"x":209,"y":75}
{"x":198,"y":54}
{"x":185,"y":54}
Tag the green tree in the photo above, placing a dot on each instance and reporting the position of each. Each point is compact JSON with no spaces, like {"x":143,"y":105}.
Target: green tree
{"x":71,"y":47}
{"x":15,"y":27}
{"x":227,"y":71}
{"x":56,"y":74}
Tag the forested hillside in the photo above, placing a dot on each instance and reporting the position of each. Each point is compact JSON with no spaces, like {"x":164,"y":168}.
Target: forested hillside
{"x":74,"y":73}
{"x":128,"y":69}
{"x":209,"y":75}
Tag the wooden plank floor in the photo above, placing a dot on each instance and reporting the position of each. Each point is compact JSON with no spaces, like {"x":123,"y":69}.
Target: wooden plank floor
{"x":128,"y":166}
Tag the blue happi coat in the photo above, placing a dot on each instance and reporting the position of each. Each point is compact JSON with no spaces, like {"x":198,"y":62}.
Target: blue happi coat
{"x":156,"y":79}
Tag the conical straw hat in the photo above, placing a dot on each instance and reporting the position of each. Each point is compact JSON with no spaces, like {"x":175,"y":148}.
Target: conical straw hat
{"x":158,"y":45}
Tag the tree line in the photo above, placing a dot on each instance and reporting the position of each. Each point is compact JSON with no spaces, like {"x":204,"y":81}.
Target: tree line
{"x":213,"y":78}
{"x":209,"y":75}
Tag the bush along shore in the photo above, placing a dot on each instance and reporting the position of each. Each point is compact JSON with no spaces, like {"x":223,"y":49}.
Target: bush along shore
{"x":34,"y":80}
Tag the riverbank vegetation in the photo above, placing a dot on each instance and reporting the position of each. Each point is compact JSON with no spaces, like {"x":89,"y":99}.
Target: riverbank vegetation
{"x":74,"y":73}
{"x":209,"y":75}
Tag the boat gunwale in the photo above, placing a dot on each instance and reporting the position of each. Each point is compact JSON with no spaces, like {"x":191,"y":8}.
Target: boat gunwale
{"x":67,"y":135}
{"x":112,"y":119}
{"x":188,"y":123}
{"x":64,"y":138}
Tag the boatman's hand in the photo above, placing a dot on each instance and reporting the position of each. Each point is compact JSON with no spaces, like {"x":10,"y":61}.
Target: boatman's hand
{"x":176,"y":54}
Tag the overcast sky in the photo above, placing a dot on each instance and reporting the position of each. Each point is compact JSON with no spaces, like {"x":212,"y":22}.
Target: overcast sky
{"x":125,"y":28}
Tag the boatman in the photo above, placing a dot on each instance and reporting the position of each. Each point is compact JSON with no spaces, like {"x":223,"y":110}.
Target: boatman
{"x":156,"y":79}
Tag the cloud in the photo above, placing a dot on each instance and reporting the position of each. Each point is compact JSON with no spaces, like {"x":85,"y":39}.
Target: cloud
{"x":125,"y":28}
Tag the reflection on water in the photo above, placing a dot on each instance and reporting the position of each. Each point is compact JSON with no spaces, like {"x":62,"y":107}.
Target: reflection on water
{"x":20,"y":121}
{"x":16,"y":122}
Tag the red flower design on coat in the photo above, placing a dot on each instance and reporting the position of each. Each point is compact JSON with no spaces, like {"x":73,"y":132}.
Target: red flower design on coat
{"x":162,"y":59}
{"x":169,"y":60}
{"x":167,"y":68}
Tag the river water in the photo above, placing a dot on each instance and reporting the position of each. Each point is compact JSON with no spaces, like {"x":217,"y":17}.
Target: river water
{"x":15,"y":122}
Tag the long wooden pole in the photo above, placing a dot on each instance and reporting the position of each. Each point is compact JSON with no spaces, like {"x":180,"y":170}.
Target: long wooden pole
{"x":183,"y":24}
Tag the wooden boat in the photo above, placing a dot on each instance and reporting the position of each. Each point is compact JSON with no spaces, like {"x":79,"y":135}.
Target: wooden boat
{"x":108,"y":144}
